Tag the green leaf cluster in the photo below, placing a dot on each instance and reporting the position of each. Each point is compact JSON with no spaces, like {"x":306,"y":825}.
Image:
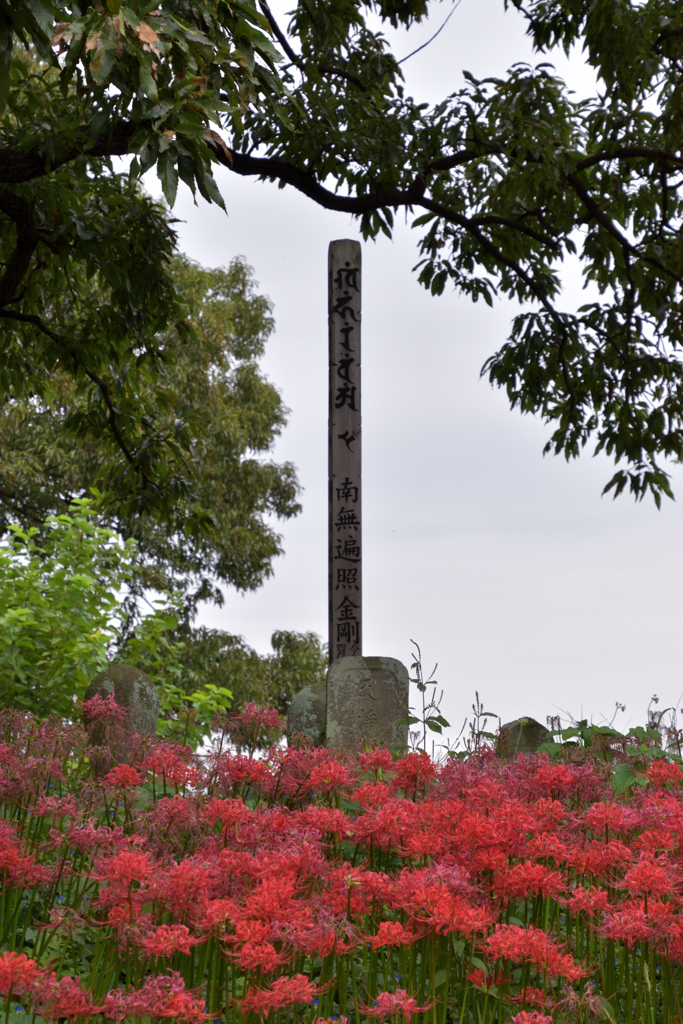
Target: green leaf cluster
{"x":506,"y":179}
{"x":206,"y":408}
{"x":61,"y":610}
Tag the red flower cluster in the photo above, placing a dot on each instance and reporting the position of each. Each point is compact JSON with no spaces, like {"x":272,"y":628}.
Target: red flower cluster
{"x":246,"y":885}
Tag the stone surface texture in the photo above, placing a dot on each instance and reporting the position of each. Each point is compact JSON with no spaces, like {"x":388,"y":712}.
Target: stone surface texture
{"x":306,"y":713}
{"x":522,"y":736}
{"x":132,"y":689}
{"x":366,"y":700}
{"x":344,"y":468}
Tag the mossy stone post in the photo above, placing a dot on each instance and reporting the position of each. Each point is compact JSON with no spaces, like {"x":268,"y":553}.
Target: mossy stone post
{"x":523,"y":736}
{"x":134,"y":690}
{"x":367,"y":704}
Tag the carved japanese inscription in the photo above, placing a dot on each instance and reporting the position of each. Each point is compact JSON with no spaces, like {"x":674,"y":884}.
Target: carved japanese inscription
{"x":345,"y":525}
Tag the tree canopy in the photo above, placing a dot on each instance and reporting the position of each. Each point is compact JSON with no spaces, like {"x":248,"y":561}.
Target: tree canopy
{"x":506,"y":179}
{"x":208,"y":397}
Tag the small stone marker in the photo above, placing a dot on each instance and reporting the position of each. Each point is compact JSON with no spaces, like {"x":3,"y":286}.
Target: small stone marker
{"x":523,"y":736}
{"x":344,"y":463}
{"x":133,"y":690}
{"x":366,"y":699}
{"x":306,"y":713}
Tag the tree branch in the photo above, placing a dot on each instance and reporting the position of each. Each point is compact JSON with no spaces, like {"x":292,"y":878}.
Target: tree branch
{"x":601,"y":217}
{"x":18,"y":165}
{"x":629,"y":153}
{"x":18,"y":210}
{"x":30,"y":318}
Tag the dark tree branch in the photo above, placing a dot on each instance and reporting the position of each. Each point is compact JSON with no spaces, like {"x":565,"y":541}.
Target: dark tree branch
{"x":279,"y":34}
{"x":24,"y":165}
{"x":324,"y":68}
{"x":465,"y":156}
{"x":601,"y":217}
{"x":304,"y":181}
{"x":30,"y":318}
{"x":18,"y":210}
{"x":333,"y":69}
{"x":630,"y":153}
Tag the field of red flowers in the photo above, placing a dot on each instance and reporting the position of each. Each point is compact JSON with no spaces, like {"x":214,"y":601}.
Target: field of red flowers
{"x":305,"y":886}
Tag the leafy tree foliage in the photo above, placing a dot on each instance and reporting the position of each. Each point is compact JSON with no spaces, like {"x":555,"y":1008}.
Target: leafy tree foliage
{"x":208,"y":399}
{"x":507,"y":178}
{"x":63,"y":618}
{"x":207,"y":395}
{"x":60,"y":610}
{"x":192,"y":661}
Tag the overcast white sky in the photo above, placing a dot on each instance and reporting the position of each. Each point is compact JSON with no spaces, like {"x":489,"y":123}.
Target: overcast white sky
{"x":509,"y":569}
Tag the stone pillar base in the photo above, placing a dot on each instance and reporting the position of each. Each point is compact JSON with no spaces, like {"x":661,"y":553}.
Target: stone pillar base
{"x":367,"y":698}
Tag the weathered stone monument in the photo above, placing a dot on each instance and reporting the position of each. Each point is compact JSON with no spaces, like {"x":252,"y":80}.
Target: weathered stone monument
{"x":523,"y":736}
{"x":307,"y":712}
{"x":132,"y":689}
{"x":367,"y":698}
{"x":364,"y":699}
{"x":344,"y":438}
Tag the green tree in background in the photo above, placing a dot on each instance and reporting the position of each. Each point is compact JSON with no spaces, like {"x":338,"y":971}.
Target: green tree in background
{"x":506,"y":178}
{"x":209,"y":400}
{"x":208,"y":394}
{"x":199,"y":659}
{"x":60,"y":610}
{"x":62,"y":618}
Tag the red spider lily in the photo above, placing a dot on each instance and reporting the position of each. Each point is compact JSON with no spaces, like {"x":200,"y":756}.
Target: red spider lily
{"x":126,"y":867}
{"x":18,"y":974}
{"x":172,"y":763}
{"x":480,"y":979}
{"x":160,"y":996}
{"x":64,"y":997}
{"x":596,"y":858}
{"x":531,"y":1017}
{"x":411,"y":770}
{"x":650,"y":877}
{"x":608,"y":816}
{"x":123,"y":776}
{"x":391,"y":1004}
{"x":377,"y":760}
{"x":254,"y":715}
{"x":589,"y":901}
{"x":184,"y":888}
{"x":17,"y":870}
{"x":527,"y":878}
{"x":555,"y":778}
{"x":448,"y":913}
{"x":532,"y":945}
{"x":261,"y":955}
{"x":533,"y":997}
{"x":325,"y":820}
{"x":392,"y":933}
{"x":168,"y":939}
{"x":655,"y":840}
{"x":226,"y":812}
{"x":372,"y":794}
{"x":87,"y":837}
{"x":103,"y":709}
{"x":630,"y":926}
{"x":663,"y":773}
{"x":547,"y":845}
{"x":58,"y":807}
{"x":283,"y":992}
{"x":330,"y":776}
